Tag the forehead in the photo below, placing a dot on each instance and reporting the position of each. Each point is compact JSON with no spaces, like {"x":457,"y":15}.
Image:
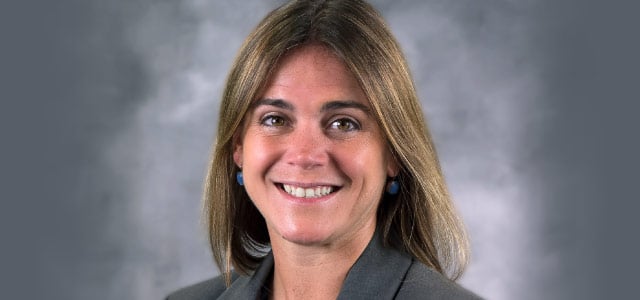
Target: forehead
{"x":313,"y":66}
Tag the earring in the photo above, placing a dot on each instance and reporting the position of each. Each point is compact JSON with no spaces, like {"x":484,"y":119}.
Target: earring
{"x":393,"y":187}
{"x":240,"y":178}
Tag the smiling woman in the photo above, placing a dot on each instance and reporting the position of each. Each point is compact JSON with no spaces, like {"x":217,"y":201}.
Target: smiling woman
{"x":324,"y":181}
{"x":312,"y":140}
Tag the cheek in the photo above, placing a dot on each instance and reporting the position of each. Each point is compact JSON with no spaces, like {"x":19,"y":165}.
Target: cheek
{"x":258,"y":157}
{"x":365,"y":160}
{"x":259,"y":153}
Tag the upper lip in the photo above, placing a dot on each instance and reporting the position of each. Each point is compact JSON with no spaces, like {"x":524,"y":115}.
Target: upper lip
{"x":306,"y":184}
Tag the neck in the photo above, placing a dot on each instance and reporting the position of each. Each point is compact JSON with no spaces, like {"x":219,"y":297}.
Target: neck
{"x":314,"y":272}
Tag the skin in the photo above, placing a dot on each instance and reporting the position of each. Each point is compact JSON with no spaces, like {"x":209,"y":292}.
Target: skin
{"x":312,"y":129}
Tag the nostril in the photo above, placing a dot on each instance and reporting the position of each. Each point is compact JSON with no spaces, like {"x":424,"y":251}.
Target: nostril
{"x":307,"y":159}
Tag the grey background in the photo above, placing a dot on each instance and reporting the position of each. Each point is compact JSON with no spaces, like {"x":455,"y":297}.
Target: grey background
{"x":109,"y":110}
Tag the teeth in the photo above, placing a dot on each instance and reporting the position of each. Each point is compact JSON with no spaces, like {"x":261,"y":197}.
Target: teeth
{"x":299,"y":192}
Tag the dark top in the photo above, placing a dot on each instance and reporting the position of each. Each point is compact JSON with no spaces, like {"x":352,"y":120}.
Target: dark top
{"x":379,"y":273}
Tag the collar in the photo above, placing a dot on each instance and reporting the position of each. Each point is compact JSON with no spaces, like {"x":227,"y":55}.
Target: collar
{"x":376,"y":274}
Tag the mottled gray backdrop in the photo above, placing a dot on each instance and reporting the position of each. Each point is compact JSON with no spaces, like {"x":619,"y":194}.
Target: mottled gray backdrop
{"x":109,"y":110}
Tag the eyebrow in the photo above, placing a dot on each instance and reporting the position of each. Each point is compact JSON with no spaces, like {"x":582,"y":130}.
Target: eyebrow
{"x":279,"y":103}
{"x":332,"y":105}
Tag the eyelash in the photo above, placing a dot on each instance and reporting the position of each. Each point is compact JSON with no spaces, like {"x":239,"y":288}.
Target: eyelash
{"x":353,"y":125}
{"x":272,"y":118}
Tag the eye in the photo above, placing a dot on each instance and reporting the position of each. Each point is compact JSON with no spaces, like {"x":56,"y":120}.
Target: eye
{"x":273,"y":120}
{"x":344,"y":124}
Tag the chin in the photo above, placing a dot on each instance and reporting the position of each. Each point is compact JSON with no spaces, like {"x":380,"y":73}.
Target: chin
{"x":305,"y":236}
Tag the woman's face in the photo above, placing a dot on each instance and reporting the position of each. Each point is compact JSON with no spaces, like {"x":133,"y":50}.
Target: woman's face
{"x":313,"y":158}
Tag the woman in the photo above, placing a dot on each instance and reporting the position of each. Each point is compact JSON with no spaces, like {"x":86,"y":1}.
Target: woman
{"x":324,"y":182}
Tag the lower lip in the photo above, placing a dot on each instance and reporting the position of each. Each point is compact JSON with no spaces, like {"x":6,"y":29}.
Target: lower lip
{"x":300,"y":200}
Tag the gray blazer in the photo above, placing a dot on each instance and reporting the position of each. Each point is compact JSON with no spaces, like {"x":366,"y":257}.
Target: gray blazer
{"x":379,"y":273}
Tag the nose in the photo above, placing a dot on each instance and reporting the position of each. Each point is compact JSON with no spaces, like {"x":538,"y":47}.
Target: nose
{"x":307,"y":148}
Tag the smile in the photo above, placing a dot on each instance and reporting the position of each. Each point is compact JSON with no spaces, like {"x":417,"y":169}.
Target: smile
{"x":308,"y":192}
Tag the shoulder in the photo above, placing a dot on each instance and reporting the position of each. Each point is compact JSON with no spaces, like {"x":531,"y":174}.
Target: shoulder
{"x":208,"y":289}
{"x":422,"y":282}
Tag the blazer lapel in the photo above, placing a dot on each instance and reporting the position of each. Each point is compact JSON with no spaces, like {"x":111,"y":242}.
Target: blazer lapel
{"x":377,"y":274}
{"x":250,"y":287}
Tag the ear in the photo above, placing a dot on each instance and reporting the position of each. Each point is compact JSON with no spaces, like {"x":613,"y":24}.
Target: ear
{"x":237,"y":155}
{"x":393,"y":168}
{"x":237,"y":150}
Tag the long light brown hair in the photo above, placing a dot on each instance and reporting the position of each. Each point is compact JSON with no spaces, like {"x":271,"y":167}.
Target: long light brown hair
{"x":420,"y":220}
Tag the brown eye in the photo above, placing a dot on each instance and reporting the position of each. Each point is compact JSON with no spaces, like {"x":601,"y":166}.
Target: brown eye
{"x":344,"y":125}
{"x":273,"y":121}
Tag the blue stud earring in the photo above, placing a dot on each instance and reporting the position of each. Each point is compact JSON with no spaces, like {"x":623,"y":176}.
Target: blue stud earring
{"x":240,"y":178}
{"x":393,"y":187}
